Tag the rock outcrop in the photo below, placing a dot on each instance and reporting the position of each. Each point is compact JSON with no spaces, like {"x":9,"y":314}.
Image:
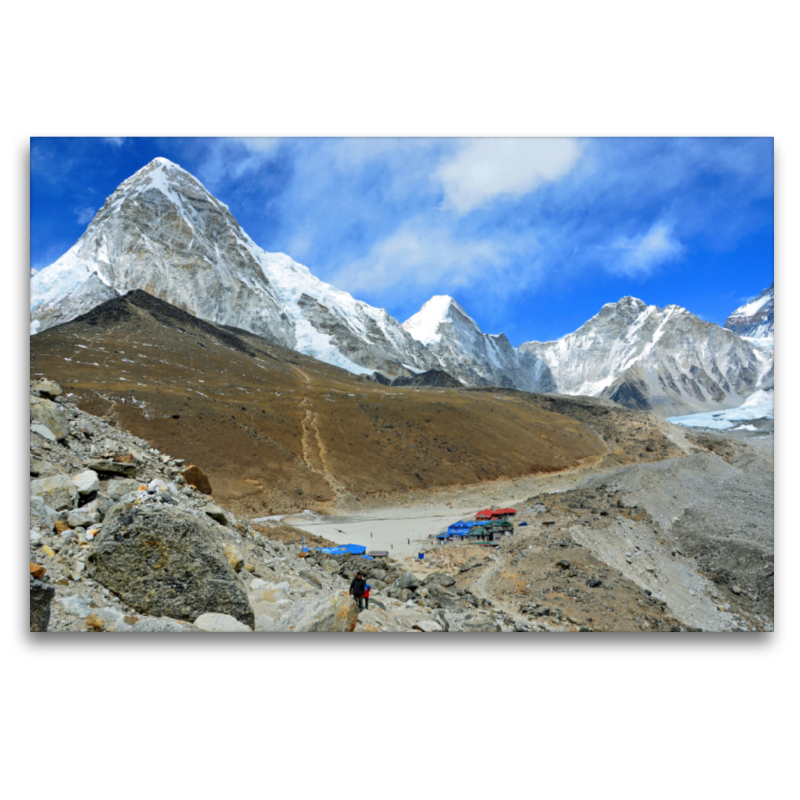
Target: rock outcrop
{"x":41,"y":596}
{"x":164,"y":561}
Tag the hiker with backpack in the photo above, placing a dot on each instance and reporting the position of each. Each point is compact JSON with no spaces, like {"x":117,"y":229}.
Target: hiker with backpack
{"x":357,"y":589}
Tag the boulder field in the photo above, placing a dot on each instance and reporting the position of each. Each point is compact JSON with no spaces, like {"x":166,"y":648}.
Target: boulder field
{"x":124,"y":538}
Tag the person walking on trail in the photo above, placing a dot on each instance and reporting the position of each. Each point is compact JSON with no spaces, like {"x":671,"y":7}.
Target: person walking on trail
{"x":357,"y":589}
{"x":367,"y":587}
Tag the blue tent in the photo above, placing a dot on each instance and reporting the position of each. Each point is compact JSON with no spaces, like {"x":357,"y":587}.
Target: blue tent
{"x":341,"y":550}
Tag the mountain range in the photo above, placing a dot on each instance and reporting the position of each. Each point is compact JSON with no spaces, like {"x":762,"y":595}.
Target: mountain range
{"x":162,"y":232}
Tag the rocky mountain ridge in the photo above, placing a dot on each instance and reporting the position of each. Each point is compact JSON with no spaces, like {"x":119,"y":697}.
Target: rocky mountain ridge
{"x":161,"y":231}
{"x":756,"y":318}
{"x":640,"y":356}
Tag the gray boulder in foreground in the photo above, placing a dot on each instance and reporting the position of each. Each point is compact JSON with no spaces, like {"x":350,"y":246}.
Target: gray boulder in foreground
{"x":220,"y":623}
{"x":166,"y":562}
{"x":42,"y":516}
{"x":331,"y":612}
{"x":51,"y":415}
{"x":57,"y":491}
{"x":41,"y":596}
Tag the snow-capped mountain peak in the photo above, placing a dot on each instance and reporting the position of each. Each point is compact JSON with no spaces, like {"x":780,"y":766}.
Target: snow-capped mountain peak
{"x":162,"y":231}
{"x":756,"y":318}
{"x":440,"y":310}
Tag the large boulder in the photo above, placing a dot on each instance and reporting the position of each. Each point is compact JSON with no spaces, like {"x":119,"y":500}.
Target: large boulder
{"x":51,"y":415}
{"x":162,"y":625}
{"x":42,"y":516}
{"x":46,"y":388}
{"x":86,"y":482}
{"x":220,"y":623}
{"x":164,"y":561}
{"x":100,"y":505}
{"x":81,"y":518}
{"x":408,"y":580}
{"x":41,"y":596}
{"x":194,"y":476}
{"x":439,"y":579}
{"x":118,"y":488}
{"x":41,"y":467}
{"x":111,"y":467}
{"x":218,"y":514}
{"x":329,"y":612}
{"x":57,"y":491}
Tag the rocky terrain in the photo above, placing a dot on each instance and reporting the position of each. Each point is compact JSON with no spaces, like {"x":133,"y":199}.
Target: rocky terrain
{"x":125,"y":538}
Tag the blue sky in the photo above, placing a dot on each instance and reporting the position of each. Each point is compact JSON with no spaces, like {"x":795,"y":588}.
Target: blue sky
{"x":531,"y":236}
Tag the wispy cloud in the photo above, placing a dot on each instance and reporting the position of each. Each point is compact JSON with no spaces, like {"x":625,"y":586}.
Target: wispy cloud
{"x":116,"y":141}
{"x":225,"y":160}
{"x":639,"y":255}
{"x":416,"y":257}
{"x":85,"y":215}
{"x":486,"y":168}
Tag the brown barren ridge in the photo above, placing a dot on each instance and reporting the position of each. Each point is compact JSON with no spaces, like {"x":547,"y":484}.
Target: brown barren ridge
{"x":277,"y":431}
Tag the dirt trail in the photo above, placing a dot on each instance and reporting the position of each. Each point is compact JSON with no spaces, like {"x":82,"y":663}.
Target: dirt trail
{"x":314,"y":451}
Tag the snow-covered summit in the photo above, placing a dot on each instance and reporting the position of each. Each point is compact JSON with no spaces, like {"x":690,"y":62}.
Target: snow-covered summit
{"x":756,"y":318}
{"x":425,"y":325}
{"x":645,"y":356}
{"x":164,"y":232}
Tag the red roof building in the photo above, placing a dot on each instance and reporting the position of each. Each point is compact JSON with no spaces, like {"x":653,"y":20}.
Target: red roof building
{"x":485,"y":514}
{"x":503,"y":512}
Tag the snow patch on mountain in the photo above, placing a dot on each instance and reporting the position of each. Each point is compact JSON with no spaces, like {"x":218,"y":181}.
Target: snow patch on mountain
{"x":756,"y":318}
{"x":760,"y":405}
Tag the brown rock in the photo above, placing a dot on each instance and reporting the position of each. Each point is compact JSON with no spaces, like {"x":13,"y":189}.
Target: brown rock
{"x":126,"y":459}
{"x":37,"y":570}
{"x":194,"y":476}
{"x":48,"y":551}
{"x":250,"y":567}
{"x":234,"y":557}
{"x":61,"y":526}
{"x":94,"y":624}
{"x":130,"y":620}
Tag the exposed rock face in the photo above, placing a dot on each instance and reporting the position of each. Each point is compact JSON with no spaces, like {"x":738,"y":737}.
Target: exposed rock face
{"x":474,"y":357}
{"x":42,"y":595}
{"x":47,"y":413}
{"x":334,"y":613}
{"x":166,"y":562}
{"x":42,"y":516}
{"x":163,"y":232}
{"x":220,"y":623}
{"x":433,"y":377}
{"x":57,"y":491}
{"x":640,"y":356}
{"x":194,"y":476}
{"x":648,"y":357}
{"x":756,"y":318}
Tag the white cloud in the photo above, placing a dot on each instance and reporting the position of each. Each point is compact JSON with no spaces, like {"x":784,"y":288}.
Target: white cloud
{"x":640,"y":255}
{"x":227,"y":159}
{"x":85,"y":215}
{"x":414,"y":257}
{"x":117,"y":141}
{"x":486,"y":168}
